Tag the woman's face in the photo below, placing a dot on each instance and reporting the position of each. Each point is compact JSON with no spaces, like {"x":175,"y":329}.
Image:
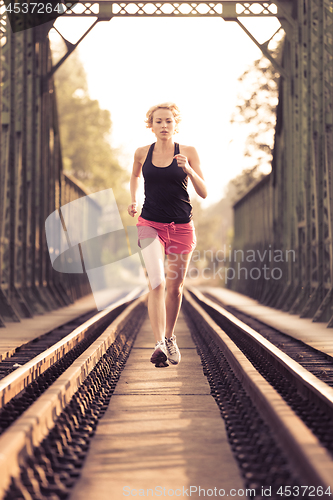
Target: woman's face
{"x":163,"y":123}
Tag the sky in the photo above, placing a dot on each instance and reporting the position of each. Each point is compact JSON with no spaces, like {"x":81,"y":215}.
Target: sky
{"x":134,"y":63}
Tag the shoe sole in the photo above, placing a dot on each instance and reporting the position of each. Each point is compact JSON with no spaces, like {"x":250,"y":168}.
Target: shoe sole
{"x":158,"y":356}
{"x":161,"y":364}
{"x":173,"y":362}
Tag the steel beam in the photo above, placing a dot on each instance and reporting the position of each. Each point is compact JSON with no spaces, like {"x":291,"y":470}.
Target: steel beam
{"x":105,"y":10}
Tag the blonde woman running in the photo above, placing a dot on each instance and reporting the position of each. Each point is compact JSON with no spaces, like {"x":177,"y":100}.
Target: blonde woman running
{"x":165,"y":226}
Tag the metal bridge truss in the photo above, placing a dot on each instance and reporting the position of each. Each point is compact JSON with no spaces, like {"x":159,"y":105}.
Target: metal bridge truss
{"x":32,"y":184}
{"x":293,"y":207}
{"x":227,"y":10}
{"x":303,"y":170}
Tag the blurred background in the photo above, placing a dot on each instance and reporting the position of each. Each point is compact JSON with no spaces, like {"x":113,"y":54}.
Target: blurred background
{"x":225,"y":88}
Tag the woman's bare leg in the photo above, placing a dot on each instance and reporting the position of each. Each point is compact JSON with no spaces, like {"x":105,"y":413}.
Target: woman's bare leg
{"x":176,"y":272}
{"x":156,"y":311}
{"x":153,"y":255}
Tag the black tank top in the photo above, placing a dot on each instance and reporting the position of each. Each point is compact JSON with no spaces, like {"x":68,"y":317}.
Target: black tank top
{"x":166,"y":196}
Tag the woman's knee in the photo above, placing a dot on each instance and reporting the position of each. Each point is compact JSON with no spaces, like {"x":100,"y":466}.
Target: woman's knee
{"x":175,"y":289}
{"x":157,"y":287}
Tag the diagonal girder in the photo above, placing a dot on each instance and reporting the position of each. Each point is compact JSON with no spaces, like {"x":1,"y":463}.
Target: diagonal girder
{"x":104,"y":10}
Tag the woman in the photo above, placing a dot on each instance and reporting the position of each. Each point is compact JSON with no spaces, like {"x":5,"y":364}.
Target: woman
{"x":165,"y":225}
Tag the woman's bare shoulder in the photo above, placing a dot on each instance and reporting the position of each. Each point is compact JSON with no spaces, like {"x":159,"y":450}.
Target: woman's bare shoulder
{"x":141,"y":153}
{"x":187,"y":150}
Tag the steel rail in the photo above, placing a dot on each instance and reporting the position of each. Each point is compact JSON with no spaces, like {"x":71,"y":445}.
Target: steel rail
{"x":17,"y":381}
{"x":308,"y":384}
{"x":29,"y":429}
{"x":311,"y":460}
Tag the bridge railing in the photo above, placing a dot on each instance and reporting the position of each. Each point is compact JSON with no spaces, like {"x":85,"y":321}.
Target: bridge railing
{"x":253,"y":247}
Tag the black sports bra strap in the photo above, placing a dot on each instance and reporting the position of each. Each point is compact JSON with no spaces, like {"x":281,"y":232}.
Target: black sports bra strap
{"x":149,"y":156}
{"x":150,"y":152}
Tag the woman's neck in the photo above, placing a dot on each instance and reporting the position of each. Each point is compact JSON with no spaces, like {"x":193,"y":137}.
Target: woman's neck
{"x":164,"y":146}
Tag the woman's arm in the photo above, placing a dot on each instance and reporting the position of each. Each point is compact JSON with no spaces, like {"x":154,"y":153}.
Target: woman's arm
{"x":135,"y":181}
{"x":191,"y":166}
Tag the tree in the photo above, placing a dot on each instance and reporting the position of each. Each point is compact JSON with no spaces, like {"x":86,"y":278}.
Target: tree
{"x":256,"y":110}
{"x":85,"y":131}
{"x":243,"y":182}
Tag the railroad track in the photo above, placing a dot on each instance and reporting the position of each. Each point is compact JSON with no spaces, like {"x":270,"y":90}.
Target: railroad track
{"x":31,"y":360}
{"x":34,"y":395}
{"x":43,"y":448}
{"x":316,"y":362}
{"x":279,"y":387}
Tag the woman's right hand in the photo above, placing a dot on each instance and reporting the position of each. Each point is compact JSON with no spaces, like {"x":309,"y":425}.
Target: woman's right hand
{"x":132,"y":210}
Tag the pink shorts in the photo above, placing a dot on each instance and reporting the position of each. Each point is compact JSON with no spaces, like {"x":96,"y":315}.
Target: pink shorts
{"x":176,"y":238}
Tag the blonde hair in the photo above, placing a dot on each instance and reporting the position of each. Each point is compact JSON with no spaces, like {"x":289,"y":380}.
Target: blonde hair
{"x":167,"y":105}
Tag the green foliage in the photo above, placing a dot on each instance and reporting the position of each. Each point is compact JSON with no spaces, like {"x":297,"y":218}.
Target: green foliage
{"x":256,"y":110}
{"x":85,"y":131}
{"x":243,"y":182}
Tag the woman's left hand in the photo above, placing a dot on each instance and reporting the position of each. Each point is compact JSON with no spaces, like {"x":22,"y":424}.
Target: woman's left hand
{"x":183,"y":163}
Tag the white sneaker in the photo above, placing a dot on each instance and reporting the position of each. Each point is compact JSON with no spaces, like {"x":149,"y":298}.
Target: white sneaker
{"x":172,"y":350}
{"x":159,"y":356}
